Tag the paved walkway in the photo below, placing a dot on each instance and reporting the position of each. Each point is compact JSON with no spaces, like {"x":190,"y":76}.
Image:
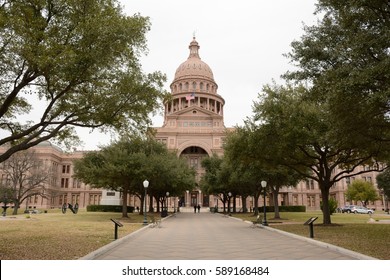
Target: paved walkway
{"x":208,"y":236}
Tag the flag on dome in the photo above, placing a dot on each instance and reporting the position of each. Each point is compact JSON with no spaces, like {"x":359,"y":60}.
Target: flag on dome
{"x":190,"y":97}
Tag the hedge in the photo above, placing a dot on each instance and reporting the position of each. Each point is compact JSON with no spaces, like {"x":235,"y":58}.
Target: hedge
{"x":298,"y":208}
{"x":108,"y":208}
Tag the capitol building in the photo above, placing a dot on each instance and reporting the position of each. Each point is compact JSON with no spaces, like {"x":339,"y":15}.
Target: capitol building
{"x":193,"y":127}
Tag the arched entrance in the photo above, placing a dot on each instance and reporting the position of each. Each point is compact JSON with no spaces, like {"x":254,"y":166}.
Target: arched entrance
{"x":194,"y":156}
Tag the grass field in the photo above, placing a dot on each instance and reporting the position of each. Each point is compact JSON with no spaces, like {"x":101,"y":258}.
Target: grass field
{"x":350,"y":231}
{"x":57,"y":236}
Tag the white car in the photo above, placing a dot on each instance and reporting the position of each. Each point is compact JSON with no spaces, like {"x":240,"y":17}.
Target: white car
{"x":361,"y":210}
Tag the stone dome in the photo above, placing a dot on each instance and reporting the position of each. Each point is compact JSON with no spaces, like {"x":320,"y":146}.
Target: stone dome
{"x":194,"y":67}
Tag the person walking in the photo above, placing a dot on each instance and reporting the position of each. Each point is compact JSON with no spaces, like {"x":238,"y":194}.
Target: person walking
{"x":198,"y":208}
{"x":195,"y":209}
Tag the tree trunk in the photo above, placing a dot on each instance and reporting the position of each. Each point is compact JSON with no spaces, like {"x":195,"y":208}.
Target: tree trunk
{"x":325,"y":205}
{"x":256,"y":204}
{"x":275,"y":195}
{"x":124,"y":203}
{"x":243,"y":202}
{"x":224,"y":205}
{"x":151,"y":210}
{"x":16,"y":207}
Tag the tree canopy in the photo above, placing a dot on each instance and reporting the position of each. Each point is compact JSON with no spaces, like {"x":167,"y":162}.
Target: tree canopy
{"x":125,"y":164}
{"x":299,"y":131}
{"x":332,"y":114}
{"x":250,"y":153}
{"x":67,"y":64}
{"x":360,"y":190}
{"x":383,"y":181}
{"x":346,"y":58}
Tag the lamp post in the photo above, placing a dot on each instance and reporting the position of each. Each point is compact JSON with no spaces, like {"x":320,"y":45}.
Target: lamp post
{"x":264,"y":185}
{"x":146,"y":185}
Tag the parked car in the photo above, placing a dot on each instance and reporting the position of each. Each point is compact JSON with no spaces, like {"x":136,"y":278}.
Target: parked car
{"x":347,"y":209}
{"x":361,"y":210}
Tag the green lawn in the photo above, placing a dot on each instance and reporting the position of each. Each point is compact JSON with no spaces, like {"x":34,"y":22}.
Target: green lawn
{"x":350,"y":231}
{"x":53,"y":235}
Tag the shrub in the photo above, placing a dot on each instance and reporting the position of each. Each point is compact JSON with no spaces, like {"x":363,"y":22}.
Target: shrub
{"x":332,"y":205}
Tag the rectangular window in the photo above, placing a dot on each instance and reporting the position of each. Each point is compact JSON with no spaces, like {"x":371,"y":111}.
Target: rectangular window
{"x":310,"y":201}
{"x":76,"y":183}
{"x":66,"y":169}
{"x":194,"y":162}
{"x":295,"y":200}
{"x":64,"y":182}
{"x":75,"y":198}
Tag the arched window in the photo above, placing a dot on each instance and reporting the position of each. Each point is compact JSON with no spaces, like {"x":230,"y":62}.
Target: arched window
{"x":194,"y":85}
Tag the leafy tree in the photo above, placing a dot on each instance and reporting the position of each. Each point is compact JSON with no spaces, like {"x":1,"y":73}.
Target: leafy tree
{"x":77,"y":64}
{"x":383,"y":180}
{"x":344,"y":62}
{"x":238,"y":179}
{"x":254,"y":158}
{"x":346,"y":58}
{"x":125,"y":164}
{"x":169,"y":174}
{"x":211,"y":182}
{"x":360,"y":190}
{"x":238,"y":153}
{"x":299,"y":124}
{"x":24,"y":176}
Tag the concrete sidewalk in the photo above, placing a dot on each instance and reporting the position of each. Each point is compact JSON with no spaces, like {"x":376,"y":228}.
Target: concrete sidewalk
{"x":208,"y":236}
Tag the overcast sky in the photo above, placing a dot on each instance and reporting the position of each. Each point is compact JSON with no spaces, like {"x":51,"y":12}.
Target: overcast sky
{"x":243,"y":42}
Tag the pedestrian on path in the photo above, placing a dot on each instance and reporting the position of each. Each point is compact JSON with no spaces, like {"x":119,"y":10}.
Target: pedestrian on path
{"x":198,"y":208}
{"x":195,"y":209}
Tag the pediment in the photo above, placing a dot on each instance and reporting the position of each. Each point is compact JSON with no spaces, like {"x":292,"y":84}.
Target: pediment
{"x":194,"y":111}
